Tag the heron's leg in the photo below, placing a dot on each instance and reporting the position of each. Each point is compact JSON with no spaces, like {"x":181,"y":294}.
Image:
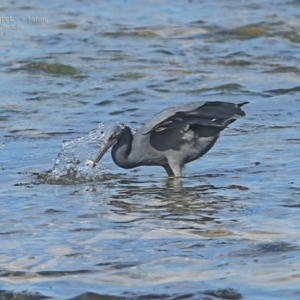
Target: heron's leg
{"x":175,"y":168}
{"x":168,"y":170}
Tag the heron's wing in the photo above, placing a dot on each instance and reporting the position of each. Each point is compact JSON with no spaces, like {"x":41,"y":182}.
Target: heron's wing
{"x":215,"y":115}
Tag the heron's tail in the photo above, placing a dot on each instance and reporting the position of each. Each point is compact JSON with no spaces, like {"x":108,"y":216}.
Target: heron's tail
{"x":243,"y":103}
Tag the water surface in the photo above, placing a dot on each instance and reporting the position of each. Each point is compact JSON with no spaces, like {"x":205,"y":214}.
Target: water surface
{"x":228,"y":230}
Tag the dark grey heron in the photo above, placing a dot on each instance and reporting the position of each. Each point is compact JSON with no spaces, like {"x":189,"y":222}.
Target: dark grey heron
{"x":172,"y":138}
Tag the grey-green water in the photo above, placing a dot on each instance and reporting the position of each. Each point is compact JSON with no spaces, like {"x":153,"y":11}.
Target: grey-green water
{"x":229,"y":230}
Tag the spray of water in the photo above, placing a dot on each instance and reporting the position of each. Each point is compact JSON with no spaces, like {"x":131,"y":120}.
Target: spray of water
{"x":74,"y":162}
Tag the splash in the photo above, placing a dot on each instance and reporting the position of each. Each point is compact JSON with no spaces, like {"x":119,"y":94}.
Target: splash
{"x":74,"y":162}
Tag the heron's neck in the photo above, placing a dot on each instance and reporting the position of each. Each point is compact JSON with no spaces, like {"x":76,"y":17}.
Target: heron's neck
{"x":122,"y":149}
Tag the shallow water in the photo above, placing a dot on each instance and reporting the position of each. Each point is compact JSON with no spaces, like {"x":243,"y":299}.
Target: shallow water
{"x":228,"y":230}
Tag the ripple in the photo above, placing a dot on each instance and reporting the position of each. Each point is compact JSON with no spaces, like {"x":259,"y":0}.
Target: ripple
{"x":8,"y":295}
{"x":284,"y":69}
{"x":48,"y":68}
{"x":283,"y":91}
{"x":266,"y":249}
{"x":249,"y":31}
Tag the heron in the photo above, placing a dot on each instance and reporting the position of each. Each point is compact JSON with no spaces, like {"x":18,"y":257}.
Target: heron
{"x":172,"y":138}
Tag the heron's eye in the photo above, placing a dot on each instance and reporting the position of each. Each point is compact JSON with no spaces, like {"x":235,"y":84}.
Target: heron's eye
{"x":113,"y":136}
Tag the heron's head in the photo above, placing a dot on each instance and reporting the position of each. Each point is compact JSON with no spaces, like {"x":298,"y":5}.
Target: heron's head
{"x":111,"y":135}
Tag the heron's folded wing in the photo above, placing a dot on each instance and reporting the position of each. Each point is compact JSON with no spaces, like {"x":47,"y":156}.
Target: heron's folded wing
{"x":216,"y":115}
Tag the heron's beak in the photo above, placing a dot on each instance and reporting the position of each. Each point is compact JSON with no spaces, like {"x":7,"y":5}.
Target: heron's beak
{"x":102,"y":151}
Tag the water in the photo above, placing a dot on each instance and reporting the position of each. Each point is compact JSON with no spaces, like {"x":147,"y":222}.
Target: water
{"x":228,"y":230}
